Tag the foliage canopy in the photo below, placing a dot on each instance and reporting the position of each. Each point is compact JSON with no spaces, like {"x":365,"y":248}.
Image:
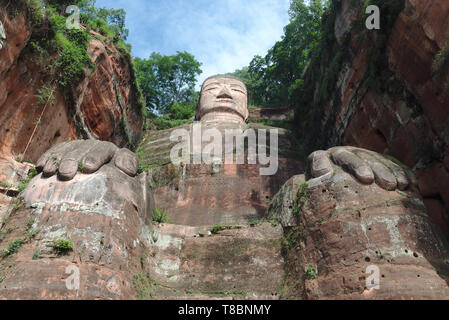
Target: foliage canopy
{"x":168,"y":83}
{"x":272,"y":80}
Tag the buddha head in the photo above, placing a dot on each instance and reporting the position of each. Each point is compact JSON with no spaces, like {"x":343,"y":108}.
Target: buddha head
{"x":223,"y":98}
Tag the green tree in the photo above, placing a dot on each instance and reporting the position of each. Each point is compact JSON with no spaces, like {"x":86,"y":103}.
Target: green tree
{"x":288,"y":58}
{"x":113,"y":18}
{"x":186,"y":110}
{"x":62,"y":4}
{"x":254,"y":83}
{"x":168,"y":82}
{"x":271,"y":80}
{"x":99,"y":18}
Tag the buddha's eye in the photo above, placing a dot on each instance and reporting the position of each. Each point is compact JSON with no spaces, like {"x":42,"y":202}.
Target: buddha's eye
{"x":210,"y":89}
{"x":238,"y":90}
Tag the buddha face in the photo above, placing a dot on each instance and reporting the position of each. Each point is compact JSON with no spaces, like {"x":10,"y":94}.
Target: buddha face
{"x":223,"y":99}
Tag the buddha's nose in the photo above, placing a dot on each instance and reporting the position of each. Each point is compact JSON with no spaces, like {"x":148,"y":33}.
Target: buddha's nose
{"x":224,"y":94}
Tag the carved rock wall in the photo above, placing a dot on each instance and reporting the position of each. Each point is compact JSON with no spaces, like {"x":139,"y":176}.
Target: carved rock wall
{"x":408,"y":117}
{"x":207,"y":194}
{"x":344,"y":227}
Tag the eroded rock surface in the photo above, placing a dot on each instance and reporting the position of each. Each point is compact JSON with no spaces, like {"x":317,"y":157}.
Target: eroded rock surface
{"x":105,"y":215}
{"x":242,"y":263}
{"x":336,"y":226}
{"x":274,"y":114}
{"x":389,"y":92}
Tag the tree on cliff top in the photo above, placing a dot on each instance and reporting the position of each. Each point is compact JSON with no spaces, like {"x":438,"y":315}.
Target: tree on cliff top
{"x":272,"y":79}
{"x":114,"y":19}
{"x":100,"y":18}
{"x":168,"y":82}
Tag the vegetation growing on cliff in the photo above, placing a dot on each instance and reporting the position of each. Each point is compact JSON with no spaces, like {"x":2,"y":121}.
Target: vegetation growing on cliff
{"x":143,"y":285}
{"x":71,"y":48}
{"x":318,"y":83}
{"x":441,"y":59}
{"x":218,"y":227}
{"x":62,"y":246}
{"x":311,"y":273}
{"x":58,"y":48}
{"x":12,"y":248}
{"x":33,"y":9}
{"x":168,"y":85}
{"x":160,"y":215}
{"x":300,"y":198}
{"x":377,"y":60}
{"x":61,"y":51}
{"x":31,"y":174}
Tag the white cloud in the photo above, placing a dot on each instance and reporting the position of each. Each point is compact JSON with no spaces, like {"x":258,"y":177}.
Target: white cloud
{"x":223,"y":35}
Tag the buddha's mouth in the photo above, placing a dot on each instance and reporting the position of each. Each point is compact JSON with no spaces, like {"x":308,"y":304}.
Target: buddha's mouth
{"x":223,"y":108}
{"x":225,"y":100}
{"x":224,"y":103}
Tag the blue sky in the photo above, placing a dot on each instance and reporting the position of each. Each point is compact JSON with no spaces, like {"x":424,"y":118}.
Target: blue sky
{"x":223,"y":35}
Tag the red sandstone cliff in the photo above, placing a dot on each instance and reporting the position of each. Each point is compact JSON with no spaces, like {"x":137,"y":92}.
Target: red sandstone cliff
{"x":388,"y":90}
{"x":339,"y":226}
{"x":104,"y":105}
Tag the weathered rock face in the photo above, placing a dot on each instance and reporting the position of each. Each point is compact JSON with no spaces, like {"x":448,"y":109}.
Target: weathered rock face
{"x":19,"y":83}
{"x":340,"y":227}
{"x":242,"y":263}
{"x":104,"y":105}
{"x":108,"y":100}
{"x":270,"y":114}
{"x":107,"y":218}
{"x":390,"y":93}
{"x":357,"y":211}
{"x":316,"y":243}
{"x":12,"y":173}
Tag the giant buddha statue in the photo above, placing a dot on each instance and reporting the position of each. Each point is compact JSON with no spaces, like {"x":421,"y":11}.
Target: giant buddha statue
{"x":91,"y":192}
{"x":223,"y":98}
